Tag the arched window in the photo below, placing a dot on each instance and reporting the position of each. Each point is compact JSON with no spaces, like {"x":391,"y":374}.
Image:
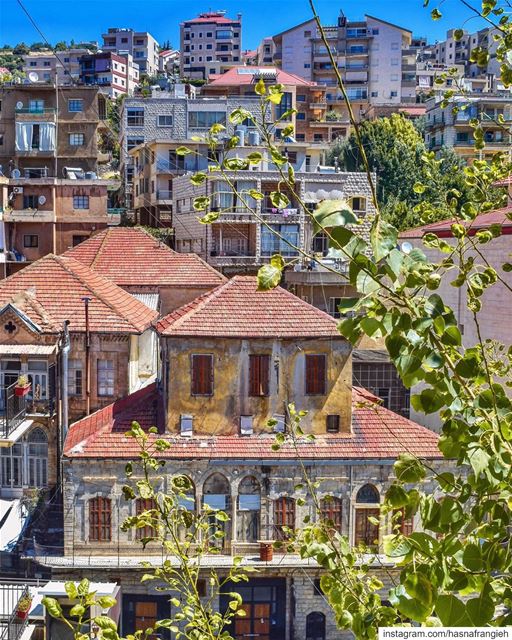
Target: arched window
{"x":100,"y":519}
{"x":248,"y":513}
{"x":315,"y":626}
{"x":367,"y":514}
{"x":37,"y":454}
{"x":330,"y":512}
{"x":216,"y":495}
{"x":142,"y":505}
{"x":284,"y":516}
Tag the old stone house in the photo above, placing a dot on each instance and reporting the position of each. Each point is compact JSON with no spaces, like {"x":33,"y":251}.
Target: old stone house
{"x":230,"y":360}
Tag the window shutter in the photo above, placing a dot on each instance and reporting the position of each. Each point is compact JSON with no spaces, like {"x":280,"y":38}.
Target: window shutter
{"x":330,"y":511}
{"x":315,"y":374}
{"x":259,"y":382}
{"x":202,"y":375}
{"x":100,"y":529}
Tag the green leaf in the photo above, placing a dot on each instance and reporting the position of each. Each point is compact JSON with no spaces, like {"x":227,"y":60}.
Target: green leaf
{"x":260,"y":88}
{"x":333,"y":213}
{"x":419,"y":586}
{"x":52,"y":606}
{"x":77,"y":611}
{"x":366,"y":283}
{"x":104,"y":622}
{"x":418,"y":187}
{"x":472,"y":557}
{"x":396,"y":496}
{"x":239,"y":115}
{"x":71,"y":590}
{"x":395,"y":546}
{"x":277,"y":261}
{"x":435,"y":14}
{"x":279,"y":200}
{"x":198,"y":178}
{"x":183,"y":151}
{"x":384,"y":238}
{"x":451,"y":611}
{"x":409,"y":469}
{"x":106,"y":602}
{"x":452,"y":336}
{"x":275,"y":98}
{"x":210,"y":217}
{"x":479,"y":460}
{"x":255,"y":157}
{"x":201,"y":203}
{"x":269,"y":277}
{"x":480,"y":610}
{"x":255,"y":194}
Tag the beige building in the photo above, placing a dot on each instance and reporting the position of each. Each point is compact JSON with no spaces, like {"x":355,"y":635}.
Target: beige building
{"x":139,"y":44}
{"x":116,"y":75}
{"x":210,"y":44}
{"x":62,"y":67}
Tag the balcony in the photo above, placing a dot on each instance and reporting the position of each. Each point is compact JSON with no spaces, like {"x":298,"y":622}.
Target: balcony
{"x":243,"y":214}
{"x":13,"y":411}
{"x":28,"y":215}
{"x":164,"y":196}
{"x":12,"y":627}
{"x":236,"y":261}
{"x":36,"y":115}
{"x":318,"y":105}
{"x":114,"y":215}
{"x":167,"y":166}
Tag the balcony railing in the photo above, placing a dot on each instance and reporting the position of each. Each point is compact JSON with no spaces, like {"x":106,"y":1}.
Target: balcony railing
{"x":13,"y":410}
{"x":163,"y":195}
{"x":12,"y":627}
{"x":171,"y":167}
{"x":36,"y":111}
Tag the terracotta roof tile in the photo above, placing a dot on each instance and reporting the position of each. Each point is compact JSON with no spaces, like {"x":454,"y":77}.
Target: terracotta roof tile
{"x":131,"y":256}
{"x":52,"y":289}
{"x":377,"y":433}
{"x":231,"y":77}
{"x":482,"y":221}
{"x":238,"y":309}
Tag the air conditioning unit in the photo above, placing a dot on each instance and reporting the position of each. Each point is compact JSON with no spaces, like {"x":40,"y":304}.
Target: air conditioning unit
{"x":186,"y":425}
{"x":246,"y":425}
{"x":17,"y":189}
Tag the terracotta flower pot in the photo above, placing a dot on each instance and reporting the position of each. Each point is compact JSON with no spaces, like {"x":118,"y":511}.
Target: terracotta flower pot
{"x":22,"y":615}
{"x":266,"y":550}
{"x":22,"y":391}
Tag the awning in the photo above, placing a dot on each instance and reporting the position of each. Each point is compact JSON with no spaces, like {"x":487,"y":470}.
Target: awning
{"x":30,"y":349}
{"x":13,"y":518}
{"x":151,"y":300}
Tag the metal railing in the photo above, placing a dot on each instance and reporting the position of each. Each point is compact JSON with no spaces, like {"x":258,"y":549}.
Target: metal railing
{"x":35,"y":111}
{"x":12,"y":626}
{"x":14,"y":410}
{"x":163,"y":195}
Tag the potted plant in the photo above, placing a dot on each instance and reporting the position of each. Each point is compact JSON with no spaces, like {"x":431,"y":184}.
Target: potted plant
{"x":22,"y":386}
{"x":23,"y":607}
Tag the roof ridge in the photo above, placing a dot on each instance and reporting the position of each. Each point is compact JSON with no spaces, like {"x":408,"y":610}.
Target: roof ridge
{"x":203,"y":263}
{"x":100,"y":296}
{"x":97,"y":256}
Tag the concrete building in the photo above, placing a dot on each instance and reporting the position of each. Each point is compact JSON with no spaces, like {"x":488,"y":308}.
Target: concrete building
{"x":209,"y":44}
{"x":48,"y":215}
{"x":169,"y":62}
{"x":276,"y":349}
{"x":114,"y":74}
{"x":139,"y":44}
{"x":371,"y":56}
{"x":46,"y":128}
{"x":62,"y":67}
{"x":449,"y":129}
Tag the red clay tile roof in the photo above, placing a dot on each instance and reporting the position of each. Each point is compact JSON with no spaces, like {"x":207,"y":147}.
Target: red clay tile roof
{"x":132,"y":257}
{"x":377,"y":433}
{"x":238,"y":309}
{"x":50,"y":291}
{"x":232,"y":78}
{"x":217,"y":19}
{"x":482,"y":221}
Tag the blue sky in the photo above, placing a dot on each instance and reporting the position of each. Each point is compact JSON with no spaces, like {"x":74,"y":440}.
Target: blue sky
{"x":87,"y":19}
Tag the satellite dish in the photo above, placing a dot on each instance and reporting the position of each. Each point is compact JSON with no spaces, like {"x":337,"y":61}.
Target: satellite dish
{"x":15,"y":173}
{"x":406,"y":247}
{"x":33,"y":76}
{"x":19,"y":105}
{"x":41,"y":199}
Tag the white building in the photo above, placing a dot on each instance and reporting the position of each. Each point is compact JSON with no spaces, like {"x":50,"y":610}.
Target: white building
{"x":140,"y":44}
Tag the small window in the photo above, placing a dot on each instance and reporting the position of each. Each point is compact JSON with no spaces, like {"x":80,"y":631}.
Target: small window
{"x":333,"y":423}
{"x":315,"y":626}
{"x":259,"y":375}
{"x":75,"y":377}
{"x":105,"y":377}
{"x":135,"y":117}
{"x":301,"y":116}
{"x":284,"y":517}
{"x":186,"y":425}
{"x":75,"y":106}
{"x":30,"y":241}
{"x":317,"y":587}
{"x":142,"y":505}
{"x":202,"y":375}
{"x":330,"y":512}
{"x":164,"y":121}
{"x":384,"y":394}
{"x":80,"y":202}
{"x":315,"y":375}
{"x":394,"y":94}
{"x":358,"y":204}
{"x":76,"y":240}
{"x":76,"y":139}
{"x":100,"y":520}
{"x":307,"y":34}
{"x":246,"y":425}
{"x":30,"y":201}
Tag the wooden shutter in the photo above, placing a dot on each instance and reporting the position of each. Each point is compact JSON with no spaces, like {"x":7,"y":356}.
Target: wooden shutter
{"x":366,"y":533}
{"x":141,"y":505}
{"x":330,"y":511}
{"x":406,"y":524}
{"x":259,"y":383}
{"x":100,"y":520}
{"x":202,"y":375}
{"x":284,"y":516}
{"x":315,"y":375}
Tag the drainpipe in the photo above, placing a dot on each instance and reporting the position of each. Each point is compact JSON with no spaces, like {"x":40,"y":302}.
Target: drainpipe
{"x":86,"y":302}
{"x":64,"y":380}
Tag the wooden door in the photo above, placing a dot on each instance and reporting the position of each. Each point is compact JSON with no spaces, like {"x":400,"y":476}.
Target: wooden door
{"x":145,"y":615}
{"x":366,"y":532}
{"x":255,"y":623}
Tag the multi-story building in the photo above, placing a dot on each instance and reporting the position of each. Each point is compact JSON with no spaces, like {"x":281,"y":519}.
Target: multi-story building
{"x":46,"y":128}
{"x":169,"y":62}
{"x":224,"y":374}
{"x":44,"y":215}
{"x":449,"y":129}
{"x":114,"y":74}
{"x":62,"y":67}
{"x":247,"y":232}
{"x":371,"y":56}
{"x":209,"y":44}
{"x":139,"y":44}
{"x":266,"y":51}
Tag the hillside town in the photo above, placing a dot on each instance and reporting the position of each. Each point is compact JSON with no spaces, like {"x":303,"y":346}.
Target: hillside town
{"x":118,"y":304}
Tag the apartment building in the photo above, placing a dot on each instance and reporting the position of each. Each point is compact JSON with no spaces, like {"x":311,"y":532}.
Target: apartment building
{"x":113,"y":74}
{"x":46,"y":128}
{"x":223,"y":376}
{"x":446,"y":128}
{"x":240,"y":240}
{"x":209,"y":44}
{"x":42,"y":215}
{"x":139,"y":44}
{"x":62,"y":67}
{"x":169,"y":62}
{"x":371,"y":56}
